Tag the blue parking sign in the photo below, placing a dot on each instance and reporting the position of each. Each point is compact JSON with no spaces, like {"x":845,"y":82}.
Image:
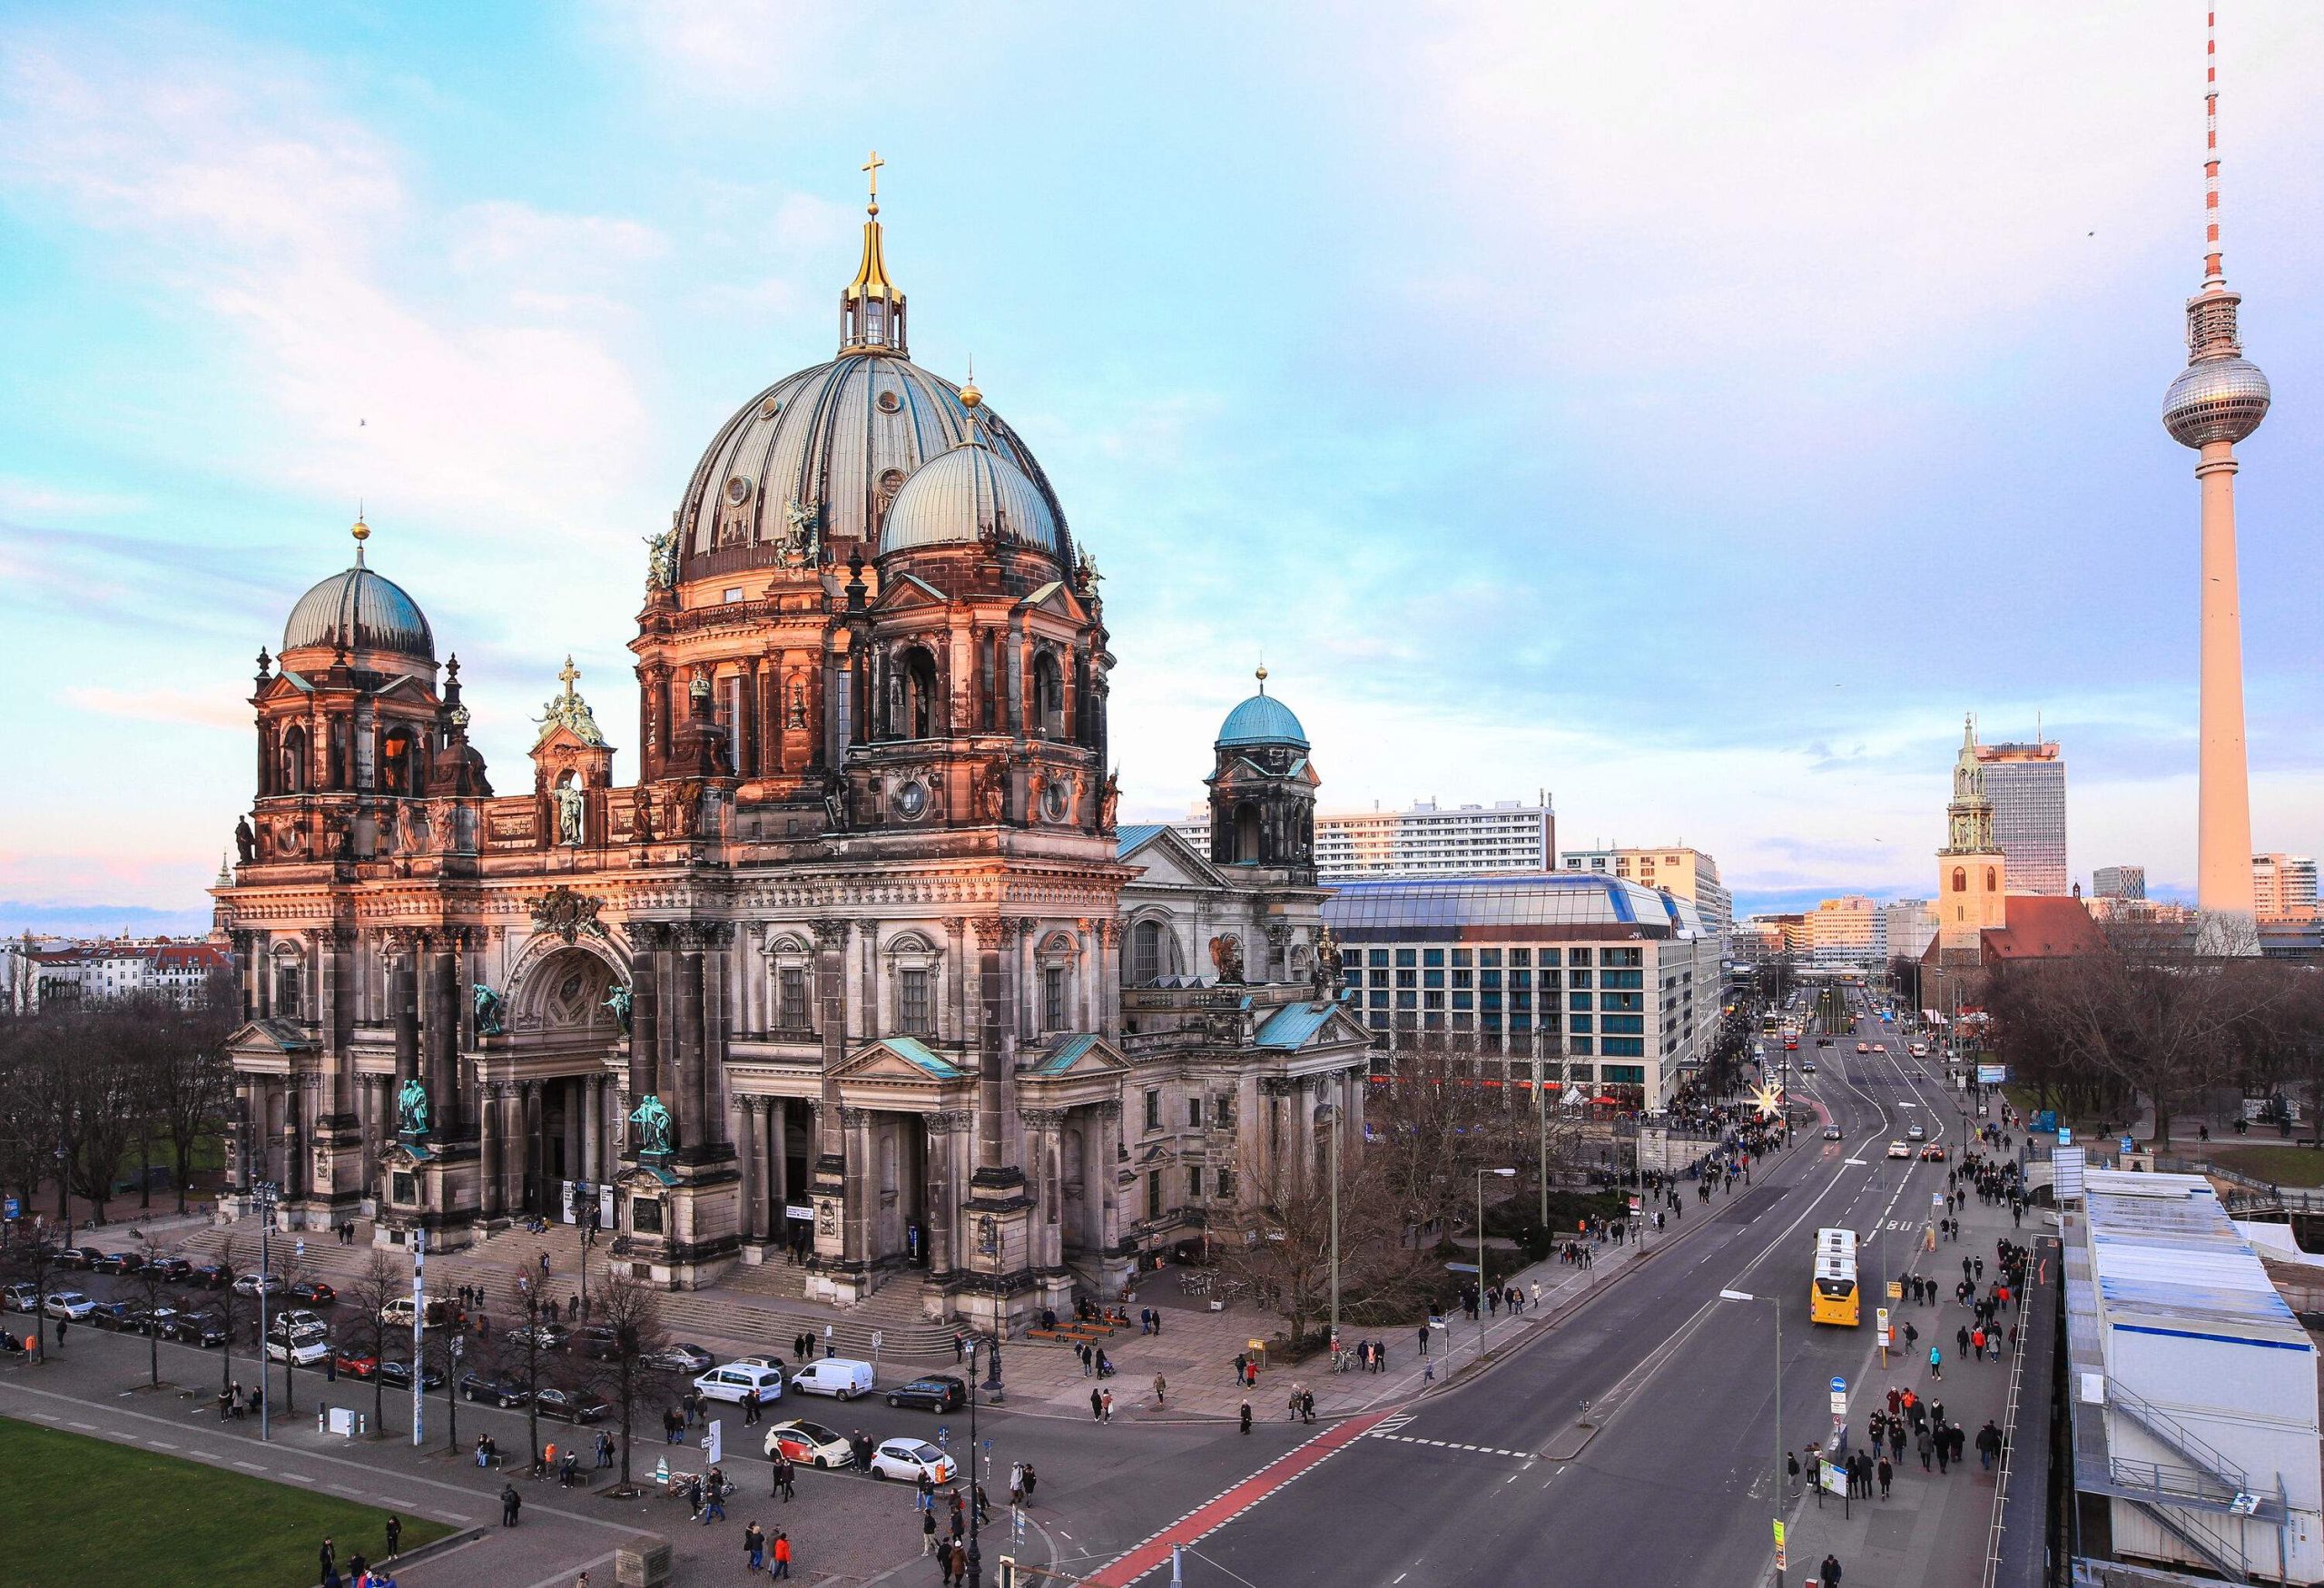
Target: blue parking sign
{"x":12,"y":1209}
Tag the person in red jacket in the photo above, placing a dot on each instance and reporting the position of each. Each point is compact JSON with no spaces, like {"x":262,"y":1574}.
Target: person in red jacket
{"x":781,"y":1554}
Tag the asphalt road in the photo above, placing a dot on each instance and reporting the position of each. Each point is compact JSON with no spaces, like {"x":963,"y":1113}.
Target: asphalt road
{"x":1674,"y":1485}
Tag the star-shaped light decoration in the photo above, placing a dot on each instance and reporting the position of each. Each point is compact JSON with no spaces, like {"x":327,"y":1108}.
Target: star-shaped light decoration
{"x":1768,"y":1097}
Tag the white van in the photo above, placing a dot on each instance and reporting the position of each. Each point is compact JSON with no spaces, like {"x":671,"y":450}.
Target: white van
{"x":742,"y":1383}
{"x":843,"y":1377}
{"x":398,"y":1312}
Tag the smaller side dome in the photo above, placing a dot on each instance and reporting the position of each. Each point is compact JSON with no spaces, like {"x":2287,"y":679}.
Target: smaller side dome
{"x":1262,"y":720}
{"x":360,"y":611}
{"x":967,"y":495}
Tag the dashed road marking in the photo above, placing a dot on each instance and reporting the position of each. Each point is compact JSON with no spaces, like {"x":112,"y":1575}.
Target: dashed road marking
{"x":1450,"y":1445}
{"x":249,"y":1466}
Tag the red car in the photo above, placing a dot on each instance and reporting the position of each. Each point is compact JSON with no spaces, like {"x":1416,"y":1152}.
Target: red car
{"x":354,"y":1364}
{"x":1933,"y":1153}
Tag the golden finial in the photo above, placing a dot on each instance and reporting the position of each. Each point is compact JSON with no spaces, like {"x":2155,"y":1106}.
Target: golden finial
{"x":870,"y":168}
{"x":1263,"y":677}
{"x":969,"y":396}
{"x":362,"y":532}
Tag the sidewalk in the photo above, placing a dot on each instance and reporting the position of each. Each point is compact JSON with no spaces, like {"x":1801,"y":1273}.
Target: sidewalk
{"x":1932,"y":1531}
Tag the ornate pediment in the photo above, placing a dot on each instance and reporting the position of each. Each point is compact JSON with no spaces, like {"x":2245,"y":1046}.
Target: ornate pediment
{"x":907,"y":1060}
{"x":570,"y":915}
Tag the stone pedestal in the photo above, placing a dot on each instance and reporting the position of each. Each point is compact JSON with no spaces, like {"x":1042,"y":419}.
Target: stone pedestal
{"x":334,"y":1177}
{"x":682,"y":1220}
{"x":428,"y":1187}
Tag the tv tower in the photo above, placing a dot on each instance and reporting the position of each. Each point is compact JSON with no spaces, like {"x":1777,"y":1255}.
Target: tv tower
{"x":2218,"y":400}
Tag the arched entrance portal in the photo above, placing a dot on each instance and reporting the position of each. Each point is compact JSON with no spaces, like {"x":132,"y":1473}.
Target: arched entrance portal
{"x":549,"y":1088}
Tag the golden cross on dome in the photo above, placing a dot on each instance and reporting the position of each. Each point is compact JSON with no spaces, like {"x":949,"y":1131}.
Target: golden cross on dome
{"x":568,"y":673}
{"x":871,"y":168}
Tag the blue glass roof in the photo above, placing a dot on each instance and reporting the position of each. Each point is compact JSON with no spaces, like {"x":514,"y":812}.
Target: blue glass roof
{"x":1293,"y":1025}
{"x":1532,"y":899}
{"x":1061,"y":1059}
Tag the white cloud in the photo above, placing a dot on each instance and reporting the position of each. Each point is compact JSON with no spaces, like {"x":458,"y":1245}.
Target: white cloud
{"x":175,"y":706}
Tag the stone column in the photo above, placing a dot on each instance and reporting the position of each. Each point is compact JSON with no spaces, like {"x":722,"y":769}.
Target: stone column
{"x":830,"y":996}
{"x":744,"y":1115}
{"x":692,"y":1127}
{"x":645,"y":1011}
{"x":776,"y":1168}
{"x":491,"y":1148}
{"x":862,"y":1187}
{"x":948,"y":1181}
{"x":403,"y":1000}
{"x":871,"y":1019}
{"x":1044,"y":1128}
{"x":536,"y":1159}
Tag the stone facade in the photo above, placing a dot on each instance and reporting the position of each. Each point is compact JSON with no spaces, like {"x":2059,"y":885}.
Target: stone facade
{"x":846,"y":962}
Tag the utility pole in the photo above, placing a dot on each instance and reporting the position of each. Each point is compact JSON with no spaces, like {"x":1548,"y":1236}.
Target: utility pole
{"x":264,"y":1194}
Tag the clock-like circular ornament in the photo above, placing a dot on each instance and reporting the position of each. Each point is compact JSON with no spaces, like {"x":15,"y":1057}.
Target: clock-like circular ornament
{"x":911,"y":800}
{"x":1054,"y":801}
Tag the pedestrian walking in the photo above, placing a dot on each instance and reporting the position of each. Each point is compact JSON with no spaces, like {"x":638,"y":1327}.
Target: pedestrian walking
{"x":511,"y":1501}
{"x":927,"y":1533}
{"x":1160,"y":1388}
{"x":1935,"y":1363}
{"x":753,"y":1548}
{"x":329,"y":1562}
{"x":1887,"y":1472}
{"x":1246,"y":1417}
{"x":781,"y":1554}
{"x":1830,"y":1571}
{"x":1106,"y":1400}
{"x":1097,"y":1406}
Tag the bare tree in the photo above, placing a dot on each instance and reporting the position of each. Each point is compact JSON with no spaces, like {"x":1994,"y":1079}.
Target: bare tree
{"x":369,"y":1332}
{"x":33,"y":1261}
{"x":151,"y":1287}
{"x":632,"y":1310}
{"x":230,"y":1309}
{"x":188,"y":1085}
{"x":1435,"y":1125}
{"x":520,"y":1353}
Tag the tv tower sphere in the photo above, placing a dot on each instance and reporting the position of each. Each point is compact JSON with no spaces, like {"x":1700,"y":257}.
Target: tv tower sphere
{"x":2215,"y":400}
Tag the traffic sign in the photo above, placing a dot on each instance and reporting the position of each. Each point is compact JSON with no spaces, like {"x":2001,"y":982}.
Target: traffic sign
{"x":1461,"y":1268}
{"x":12,"y":1209}
{"x":713,"y":1442}
{"x":944,"y":1435}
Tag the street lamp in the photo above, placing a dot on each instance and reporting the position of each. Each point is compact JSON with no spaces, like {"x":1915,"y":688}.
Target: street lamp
{"x":1777,"y":1307}
{"x":1328,"y":1115}
{"x":1506,"y":1174}
{"x":262,"y":1196}
{"x":976,"y":1554}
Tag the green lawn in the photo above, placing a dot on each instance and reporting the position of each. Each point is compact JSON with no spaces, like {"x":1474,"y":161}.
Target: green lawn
{"x":2279,"y":1164}
{"x":86,"y":1514}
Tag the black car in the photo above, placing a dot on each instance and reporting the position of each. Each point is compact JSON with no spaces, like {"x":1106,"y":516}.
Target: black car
{"x":172,"y":1268}
{"x":210,"y":1277}
{"x":596,"y":1342}
{"x":126,"y":1317}
{"x":78,"y":1257}
{"x":314,"y":1293}
{"x":494,"y":1388}
{"x":939,"y":1392}
{"x":118,"y":1263}
{"x":568,"y":1405}
{"x":193,"y":1328}
{"x":398,"y":1375}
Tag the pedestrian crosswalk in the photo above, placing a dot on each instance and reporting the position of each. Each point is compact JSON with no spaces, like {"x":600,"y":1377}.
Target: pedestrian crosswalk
{"x":1382,"y":1432}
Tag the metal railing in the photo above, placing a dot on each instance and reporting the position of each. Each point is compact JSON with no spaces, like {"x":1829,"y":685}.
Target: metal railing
{"x":2178,"y":1435}
{"x":2189,"y":1529}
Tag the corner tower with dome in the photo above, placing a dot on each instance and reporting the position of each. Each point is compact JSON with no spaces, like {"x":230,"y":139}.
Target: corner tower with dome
{"x":842,"y":971}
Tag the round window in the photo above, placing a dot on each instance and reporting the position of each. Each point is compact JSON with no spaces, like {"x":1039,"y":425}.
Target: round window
{"x":891,"y":481}
{"x":738,"y":489}
{"x":889,"y":401}
{"x":1053,"y":802}
{"x":769,"y":408}
{"x":911,"y":799}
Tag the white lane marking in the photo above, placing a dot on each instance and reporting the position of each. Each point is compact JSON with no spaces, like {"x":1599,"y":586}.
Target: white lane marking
{"x":249,"y":1466}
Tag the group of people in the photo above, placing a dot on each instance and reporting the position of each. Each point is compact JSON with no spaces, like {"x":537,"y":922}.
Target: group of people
{"x":1372,"y":1356}
{"x":360,"y":1573}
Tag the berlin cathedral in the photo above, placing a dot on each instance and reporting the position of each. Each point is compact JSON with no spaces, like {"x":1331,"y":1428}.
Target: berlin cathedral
{"x":860,"y":960}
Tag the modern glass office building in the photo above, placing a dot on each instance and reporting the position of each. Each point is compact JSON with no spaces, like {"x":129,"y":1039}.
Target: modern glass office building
{"x":2027,"y":784}
{"x":1619,"y":981}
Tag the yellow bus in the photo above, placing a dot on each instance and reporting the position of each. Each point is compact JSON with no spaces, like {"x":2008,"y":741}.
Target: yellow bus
{"x":1834,"y":1297}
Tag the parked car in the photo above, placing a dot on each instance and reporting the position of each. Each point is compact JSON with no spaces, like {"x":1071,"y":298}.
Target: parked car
{"x":71,"y":1304}
{"x":492,"y":1387}
{"x":910,"y":1460}
{"x":117,"y":1263}
{"x":353,"y":1362}
{"x":124,"y":1317}
{"x":596,"y":1342}
{"x":19,"y":1299}
{"x":192,"y":1328}
{"x":251,"y":1284}
{"x":939,"y":1392}
{"x":304,"y":1344}
{"x":172,"y":1268}
{"x":811,"y":1443}
{"x":398,"y":1375}
{"x":551,"y":1336}
{"x":397,"y":1311}
{"x":743,"y":1383}
{"x":210,"y":1277}
{"x":569,"y":1406}
{"x":1898,"y":1149}
{"x":78,"y":1257}
{"x":680,"y":1357}
{"x":841,"y":1376}
{"x":313,"y":1292}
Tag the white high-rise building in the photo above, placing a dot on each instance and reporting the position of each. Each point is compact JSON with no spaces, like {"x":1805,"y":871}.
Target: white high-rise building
{"x":2284,"y":887}
{"x":1428,"y":840}
{"x":1909,"y":926}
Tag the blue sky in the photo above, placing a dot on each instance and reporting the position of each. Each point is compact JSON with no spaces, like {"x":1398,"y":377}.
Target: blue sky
{"x":1690,"y":410}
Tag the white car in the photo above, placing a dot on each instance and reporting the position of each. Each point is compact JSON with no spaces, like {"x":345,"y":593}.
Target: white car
{"x":69,"y":1304}
{"x":810,"y":1442}
{"x":911,"y":1459}
{"x":1898,"y":1149}
{"x":1920,"y":1050}
{"x":1915,"y":1133}
{"x":19,"y":1299}
{"x":251,"y":1284}
{"x":305,"y":1346}
{"x":742,"y":1383}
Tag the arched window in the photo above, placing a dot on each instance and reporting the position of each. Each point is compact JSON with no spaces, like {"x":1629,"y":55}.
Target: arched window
{"x":922,"y":719}
{"x":1960,"y":878}
{"x":398,"y":763}
{"x":1048,"y":698}
{"x":1245,"y":834}
{"x":1992,"y":880}
{"x":1145,"y":951}
{"x":294,"y":760}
